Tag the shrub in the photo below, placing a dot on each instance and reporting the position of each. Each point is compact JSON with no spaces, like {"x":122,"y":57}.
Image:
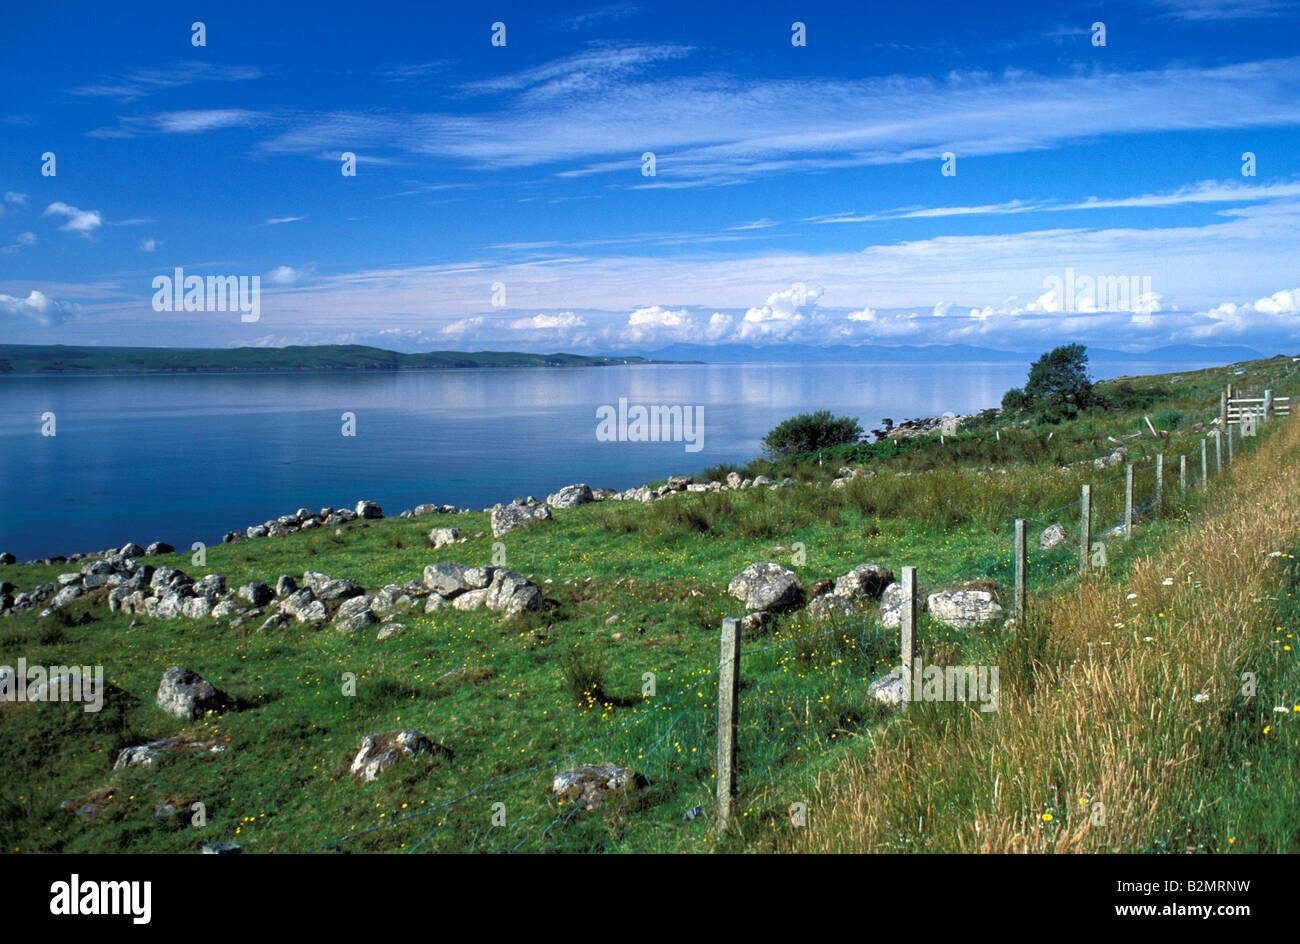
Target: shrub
{"x":810,"y":431}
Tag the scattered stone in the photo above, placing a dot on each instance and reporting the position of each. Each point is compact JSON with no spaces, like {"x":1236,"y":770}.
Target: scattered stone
{"x":441,"y":537}
{"x":570,"y":496}
{"x":368,"y":509}
{"x":256,"y":593}
{"x":1053,"y":535}
{"x":508,"y":517}
{"x":864,"y":581}
{"x":185,"y":694}
{"x":222,"y":848}
{"x":963,"y":609}
{"x":354,"y":615}
{"x":590,"y":785}
{"x":378,"y":752}
{"x":765,"y":586}
{"x":888,"y":690}
{"x":162,"y":547}
{"x":285,"y":585}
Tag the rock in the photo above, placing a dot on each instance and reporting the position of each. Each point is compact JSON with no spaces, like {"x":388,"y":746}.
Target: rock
{"x":368,"y":509}
{"x":223,"y":609}
{"x":378,"y":752}
{"x":963,"y":609}
{"x":508,"y":517}
{"x":891,"y":605}
{"x":470,"y":599}
{"x":755,"y":622}
{"x":256,"y":593}
{"x":161,"y":547}
{"x":679,"y":483}
{"x":479,"y":577}
{"x":389,"y":629}
{"x":864,"y":581}
{"x":196,"y":607}
{"x":590,"y":785}
{"x":143,"y":755}
{"x":888,"y":690}
{"x":831,"y":606}
{"x":222,"y":848}
{"x":285,"y":586}
{"x":184,"y":694}
{"x":211,"y":586}
{"x":65,"y":596}
{"x":441,"y":537}
{"x":1053,"y":535}
{"x":354,"y":615}
{"x":303,"y":606}
{"x":6,"y":558}
{"x":734,"y":480}
{"x":511,"y":593}
{"x":765,"y":586}
{"x":340,"y":589}
{"x":570,"y":496}
{"x":761,"y":481}
{"x":131,"y":549}
{"x":274,"y":621}
{"x":446,"y":580}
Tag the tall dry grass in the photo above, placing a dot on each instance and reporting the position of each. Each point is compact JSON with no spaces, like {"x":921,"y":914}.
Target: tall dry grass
{"x":1101,"y":711}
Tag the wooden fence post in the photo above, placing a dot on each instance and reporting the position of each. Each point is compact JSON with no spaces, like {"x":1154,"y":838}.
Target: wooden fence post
{"x":1268,"y":405}
{"x":1218,"y":452}
{"x":728,"y":719}
{"x":1223,"y":409}
{"x":1160,"y":480}
{"x":1182,"y":473}
{"x":1229,"y":445}
{"x":1018,"y":614}
{"x":1085,"y":528}
{"x":1205,"y":465}
{"x":907,"y":630}
{"x":1128,"y":501}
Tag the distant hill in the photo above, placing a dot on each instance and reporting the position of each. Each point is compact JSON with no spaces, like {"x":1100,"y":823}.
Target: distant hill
{"x":58,"y":358}
{"x":933,"y":353}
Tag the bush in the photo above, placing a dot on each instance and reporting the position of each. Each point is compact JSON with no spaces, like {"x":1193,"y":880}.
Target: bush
{"x":1167,"y":419}
{"x":811,"y":431}
{"x":1015,"y":400}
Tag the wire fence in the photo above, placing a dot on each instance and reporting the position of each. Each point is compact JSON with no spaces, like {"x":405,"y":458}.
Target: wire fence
{"x":802,"y":693}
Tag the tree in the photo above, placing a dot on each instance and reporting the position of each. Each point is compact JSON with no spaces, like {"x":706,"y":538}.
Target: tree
{"x":809,"y":431}
{"x":1058,"y":381}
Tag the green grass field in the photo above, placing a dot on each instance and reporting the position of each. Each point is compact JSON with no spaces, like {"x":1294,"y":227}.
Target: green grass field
{"x":512,"y":701}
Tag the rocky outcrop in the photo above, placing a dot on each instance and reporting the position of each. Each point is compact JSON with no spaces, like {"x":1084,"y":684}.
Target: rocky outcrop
{"x":441,"y":537}
{"x":379,"y":752}
{"x":143,"y":755}
{"x":891,"y":605}
{"x":765,"y":586}
{"x":185,"y":694}
{"x":963,"y":609}
{"x":1053,"y":535}
{"x":591,"y":785}
{"x":571,"y":496}
{"x":508,"y":517}
{"x":469,"y":588}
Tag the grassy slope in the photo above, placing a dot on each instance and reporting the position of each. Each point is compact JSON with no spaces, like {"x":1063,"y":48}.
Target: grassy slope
{"x":58,"y":358}
{"x":656,"y":575}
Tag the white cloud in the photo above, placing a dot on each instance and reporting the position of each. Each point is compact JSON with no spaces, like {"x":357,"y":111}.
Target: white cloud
{"x":84,"y":222}
{"x":285,"y":275}
{"x":148,"y":245}
{"x":274,"y":221}
{"x":1285,"y":302}
{"x":865,"y":314}
{"x":38,"y":307}
{"x":564,"y":320}
{"x":600,"y":109}
{"x":463,"y":326}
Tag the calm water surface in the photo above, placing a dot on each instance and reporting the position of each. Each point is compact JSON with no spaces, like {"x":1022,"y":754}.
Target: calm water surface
{"x":185,"y":458}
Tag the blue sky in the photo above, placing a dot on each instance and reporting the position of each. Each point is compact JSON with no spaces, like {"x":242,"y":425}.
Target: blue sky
{"x":797,"y":195}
